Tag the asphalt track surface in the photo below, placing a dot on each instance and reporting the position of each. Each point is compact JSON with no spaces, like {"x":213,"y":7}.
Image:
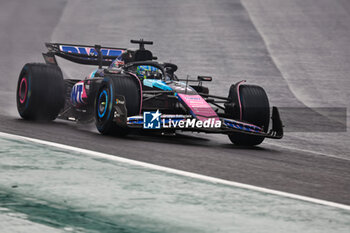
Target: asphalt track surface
{"x":225,"y":39}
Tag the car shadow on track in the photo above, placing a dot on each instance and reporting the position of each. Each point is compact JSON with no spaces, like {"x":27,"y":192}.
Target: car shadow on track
{"x":190,"y":139}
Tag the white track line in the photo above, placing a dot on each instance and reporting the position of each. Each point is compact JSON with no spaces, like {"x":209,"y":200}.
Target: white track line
{"x":179,"y":172}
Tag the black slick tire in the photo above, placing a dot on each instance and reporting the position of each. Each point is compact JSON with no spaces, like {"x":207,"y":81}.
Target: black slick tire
{"x":40,"y":92}
{"x":255,"y":110}
{"x":104,"y":112}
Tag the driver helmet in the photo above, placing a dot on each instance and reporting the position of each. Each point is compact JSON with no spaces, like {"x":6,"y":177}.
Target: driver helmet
{"x":117,"y":63}
{"x":144,"y":72}
{"x":120,"y":60}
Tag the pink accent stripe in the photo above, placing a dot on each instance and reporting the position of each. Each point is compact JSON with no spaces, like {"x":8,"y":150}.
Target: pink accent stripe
{"x":239,"y":99}
{"x":140,"y":89}
{"x":201,"y":109}
{"x":83,"y":95}
{"x":24,"y":80}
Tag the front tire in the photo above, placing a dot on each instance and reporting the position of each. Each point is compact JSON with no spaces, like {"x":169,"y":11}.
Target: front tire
{"x":255,"y":109}
{"x":104,"y":110}
{"x":40,"y":92}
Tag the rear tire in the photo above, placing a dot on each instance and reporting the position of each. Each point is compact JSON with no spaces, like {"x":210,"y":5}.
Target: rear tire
{"x":40,"y":92}
{"x":255,"y":110}
{"x":104,"y":111}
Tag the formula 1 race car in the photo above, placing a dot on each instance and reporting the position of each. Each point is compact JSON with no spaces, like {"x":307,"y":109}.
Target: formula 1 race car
{"x":131,"y":90}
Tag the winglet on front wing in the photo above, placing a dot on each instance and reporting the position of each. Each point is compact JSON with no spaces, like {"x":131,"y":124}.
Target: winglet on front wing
{"x":276,"y":132}
{"x":277,"y":127}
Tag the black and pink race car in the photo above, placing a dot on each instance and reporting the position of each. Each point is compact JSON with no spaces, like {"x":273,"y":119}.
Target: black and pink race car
{"x":131,"y":90}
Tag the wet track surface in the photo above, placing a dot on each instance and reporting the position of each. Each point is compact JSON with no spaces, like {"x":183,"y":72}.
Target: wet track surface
{"x":203,"y":37}
{"x":108,"y":195}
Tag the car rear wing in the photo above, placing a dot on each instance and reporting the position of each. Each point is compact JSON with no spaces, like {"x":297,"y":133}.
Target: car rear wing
{"x":82,"y":54}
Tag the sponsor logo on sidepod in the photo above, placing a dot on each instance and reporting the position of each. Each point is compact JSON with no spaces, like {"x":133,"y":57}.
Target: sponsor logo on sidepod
{"x":152,"y":120}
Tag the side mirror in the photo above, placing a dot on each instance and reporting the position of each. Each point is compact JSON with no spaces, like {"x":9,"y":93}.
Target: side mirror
{"x":204,"y":78}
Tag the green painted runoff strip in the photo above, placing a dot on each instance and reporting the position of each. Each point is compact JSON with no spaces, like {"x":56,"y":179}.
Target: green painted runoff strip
{"x":46,"y":189}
